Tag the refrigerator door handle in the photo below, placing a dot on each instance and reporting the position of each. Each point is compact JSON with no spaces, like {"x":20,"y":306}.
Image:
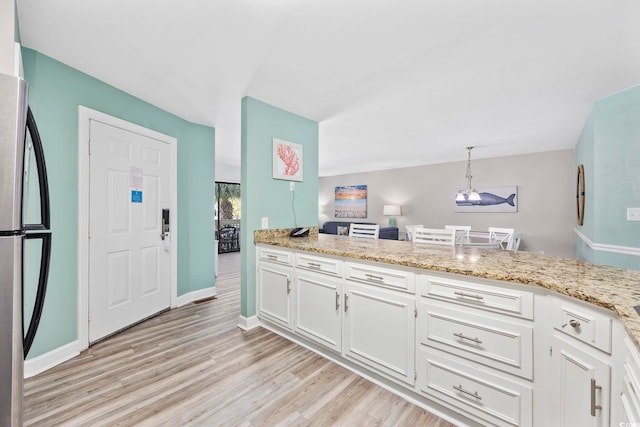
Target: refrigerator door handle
{"x":39,"y":231}
{"x":41,"y":166}
{"x":42,"y":289}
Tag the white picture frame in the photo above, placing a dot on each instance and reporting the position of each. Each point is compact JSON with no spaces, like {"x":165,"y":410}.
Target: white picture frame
{"x":287,"y":160}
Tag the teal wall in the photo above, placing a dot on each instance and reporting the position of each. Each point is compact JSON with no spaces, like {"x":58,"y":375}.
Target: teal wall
{"x":55,"y":92}
{"x":609,"y":148}
{"x":263,"y":196}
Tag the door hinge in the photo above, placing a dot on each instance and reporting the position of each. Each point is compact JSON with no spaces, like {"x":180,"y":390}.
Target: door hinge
{"x":415,"y":312}
{"x":550,"y":350}
{"x":415,"y":375}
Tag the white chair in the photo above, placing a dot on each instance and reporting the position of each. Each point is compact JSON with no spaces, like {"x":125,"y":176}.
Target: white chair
{"x":410,"y":229}
{"x":504,"y":236}
{"x":516,"y":242}
{"x":462,"y":231}
{"x":370,"y":231}
{"x":434,"y":236}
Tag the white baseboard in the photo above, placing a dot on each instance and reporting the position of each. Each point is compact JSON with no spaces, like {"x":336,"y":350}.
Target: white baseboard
{"x":195,"y":296}
{"x":53,"y":358}
{"x":246,"y":323}
{"x":623,"y":250}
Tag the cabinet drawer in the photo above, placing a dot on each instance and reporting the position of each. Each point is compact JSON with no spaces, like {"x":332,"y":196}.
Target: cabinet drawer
{"x":329,"y":266}
{"x":275,"y":255}
{"x":582,"y":322}
{"x":506,"y":346}
{"x":380,"y":276}
{"x":479,"y":295}
{"x":494,"y":399}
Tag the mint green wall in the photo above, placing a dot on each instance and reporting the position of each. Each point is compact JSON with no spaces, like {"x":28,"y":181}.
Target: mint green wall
{"x":610,"y":150}
{"x":55,"y":92}
{"x":263,"y":196}
{"x":584,"y":153}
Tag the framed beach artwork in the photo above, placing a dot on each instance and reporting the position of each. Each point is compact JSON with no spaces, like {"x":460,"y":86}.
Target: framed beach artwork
{"x":351,"y":201}
{"x":287,"y":160}
{"x":492,"y":199}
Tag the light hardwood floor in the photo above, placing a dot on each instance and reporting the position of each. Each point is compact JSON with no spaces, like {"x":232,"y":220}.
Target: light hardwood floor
{"x":192,"y":366}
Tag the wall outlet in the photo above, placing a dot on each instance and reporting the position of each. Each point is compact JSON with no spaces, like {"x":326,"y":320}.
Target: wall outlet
{"x":633,"y":214}
{"x":292,"y":186}
{"x":265,"y":222}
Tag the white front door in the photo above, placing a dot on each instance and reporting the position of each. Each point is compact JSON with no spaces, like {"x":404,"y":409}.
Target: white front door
{"x":129,"y":263}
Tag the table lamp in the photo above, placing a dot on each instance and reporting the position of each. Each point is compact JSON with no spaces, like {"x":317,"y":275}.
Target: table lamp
{"x":392,"y":211}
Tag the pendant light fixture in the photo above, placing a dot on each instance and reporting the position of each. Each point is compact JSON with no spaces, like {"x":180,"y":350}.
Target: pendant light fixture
{"x":469,"y":193}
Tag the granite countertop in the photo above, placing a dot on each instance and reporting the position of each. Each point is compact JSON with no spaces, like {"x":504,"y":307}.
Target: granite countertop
{"x":613,"y":288}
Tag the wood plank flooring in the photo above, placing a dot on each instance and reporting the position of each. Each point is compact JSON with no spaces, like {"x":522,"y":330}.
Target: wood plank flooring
{"x":192,"y":366}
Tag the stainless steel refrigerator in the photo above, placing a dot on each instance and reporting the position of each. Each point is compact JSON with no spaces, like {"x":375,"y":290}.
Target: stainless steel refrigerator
{"x":17,"y":131}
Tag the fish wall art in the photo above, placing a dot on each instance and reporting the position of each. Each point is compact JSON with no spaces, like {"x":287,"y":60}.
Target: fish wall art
{"x":492,"y":199}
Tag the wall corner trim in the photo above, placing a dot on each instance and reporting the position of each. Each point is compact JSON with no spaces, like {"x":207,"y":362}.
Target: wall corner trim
{"x":51,"y":358}
{"x":195,"y":295}
{"x":247,"y":323}
{"x":624,"y":250}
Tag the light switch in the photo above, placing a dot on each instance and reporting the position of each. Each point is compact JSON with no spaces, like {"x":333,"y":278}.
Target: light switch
{"x":633,"y":214}
{"x":265,"y":222}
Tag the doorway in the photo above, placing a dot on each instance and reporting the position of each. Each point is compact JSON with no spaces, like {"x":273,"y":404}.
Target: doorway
{"x":127,"y":260}
{"x":227,"y":216}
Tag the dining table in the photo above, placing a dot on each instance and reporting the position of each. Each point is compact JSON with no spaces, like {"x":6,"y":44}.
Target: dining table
{"x":479,"y":240}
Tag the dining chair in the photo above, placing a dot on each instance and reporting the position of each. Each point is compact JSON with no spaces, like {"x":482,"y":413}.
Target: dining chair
{"x":504,"y":236}
{"x":370,"y":231}
{"x":410,"y":229}
{"x":226,"y":238}
{"x":462,"y":231}
{"x":435,"y":236}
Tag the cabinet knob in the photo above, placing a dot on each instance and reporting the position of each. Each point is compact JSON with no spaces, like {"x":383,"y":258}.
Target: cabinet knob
{"x":573,"y":323}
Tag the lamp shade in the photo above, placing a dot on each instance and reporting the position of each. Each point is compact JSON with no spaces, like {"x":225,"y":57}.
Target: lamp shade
{"x":392,"y":210}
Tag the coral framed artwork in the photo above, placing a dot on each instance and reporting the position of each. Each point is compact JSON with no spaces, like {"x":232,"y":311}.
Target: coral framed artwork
{"x":351,"y":201}
{"x":287,"y":160}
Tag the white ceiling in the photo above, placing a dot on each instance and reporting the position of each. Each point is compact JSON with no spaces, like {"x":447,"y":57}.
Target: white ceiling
{"x":392,"y":83}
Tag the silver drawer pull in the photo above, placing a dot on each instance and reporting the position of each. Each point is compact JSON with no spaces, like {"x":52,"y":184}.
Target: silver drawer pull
{"x":573,"y":323}
{"x":462,"y":390}
{"x":464,"y":295}
{"x":373,"y":277}
{"x":272,"y":256}
{"x":464,"y":337}
{"x":337,"y":301}
{"x":314,"y":265}
{"x":594,"y":387}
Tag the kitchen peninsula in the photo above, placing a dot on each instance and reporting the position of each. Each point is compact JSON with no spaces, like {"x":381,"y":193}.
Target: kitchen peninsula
{"x":475,"y":335}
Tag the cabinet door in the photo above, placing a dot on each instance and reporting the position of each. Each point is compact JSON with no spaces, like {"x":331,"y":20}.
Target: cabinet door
{"x":274,"y":286}
{"x":380,"y":330}
{"x":318,"y":315}
{"x":580,"y":386}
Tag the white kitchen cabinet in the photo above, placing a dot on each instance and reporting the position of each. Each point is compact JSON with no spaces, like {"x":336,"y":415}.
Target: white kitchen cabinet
{"x":318,"y":308}
{"x":580,"y":385}
{"x":379,"y":330}
{"x":630,"y":394}
{"x":490,"y":340}
{"x":474,"y":390}
{"x":493,"y":352}
{"x":274,"y":283}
